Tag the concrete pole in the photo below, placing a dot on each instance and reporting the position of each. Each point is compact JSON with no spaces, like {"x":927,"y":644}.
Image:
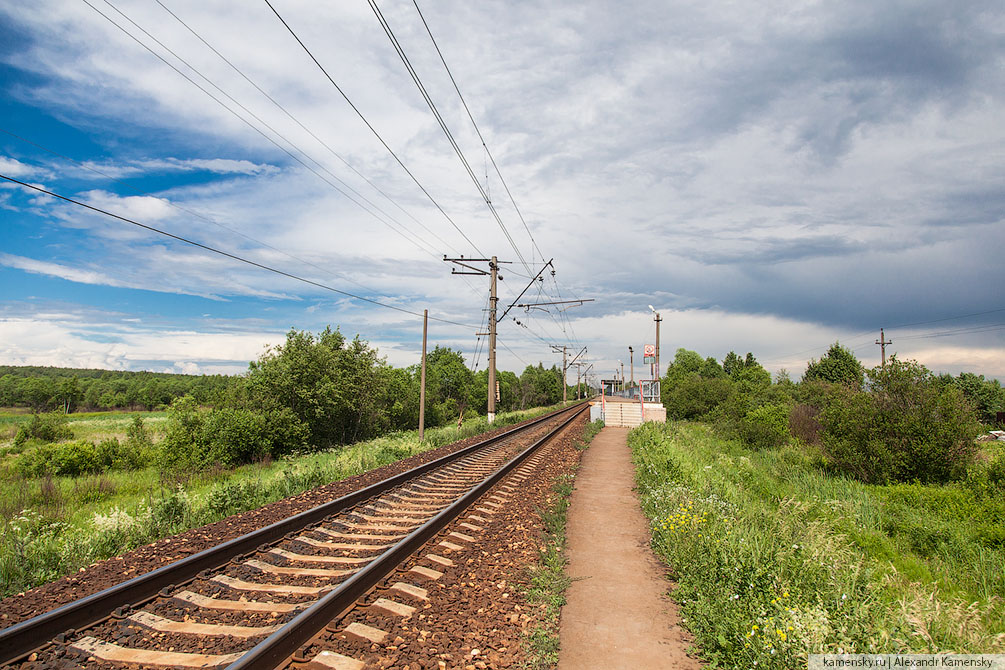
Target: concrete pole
{"x":422,"y":377}
{"x":658,"y":372}
{"x":493,"y":304}
{"x":564,"y":355}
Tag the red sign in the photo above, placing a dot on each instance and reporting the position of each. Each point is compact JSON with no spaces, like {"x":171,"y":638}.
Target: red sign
{"x":649,"y":350}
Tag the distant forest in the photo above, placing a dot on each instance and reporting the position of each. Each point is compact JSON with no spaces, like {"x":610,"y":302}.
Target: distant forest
{"x":349,"y":369}
{"x":70,"y":389}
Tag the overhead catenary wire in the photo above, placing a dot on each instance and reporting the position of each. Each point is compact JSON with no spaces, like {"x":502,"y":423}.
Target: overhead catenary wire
{"x":300,"y":124}
{"x":227,"y":254}
{"x":478,"y":131}
{"x":446,"y":130}
{"x":418,"y":241}
{"x":372,"y":129}
{"x":296,"y":158}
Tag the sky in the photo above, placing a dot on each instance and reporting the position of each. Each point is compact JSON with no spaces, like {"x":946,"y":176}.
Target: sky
{"x":771,"y":177}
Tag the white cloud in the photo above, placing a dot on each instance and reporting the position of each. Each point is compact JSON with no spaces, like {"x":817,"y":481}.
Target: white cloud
{"x":145,"y":209}
{"x":61,"y":342}
{"x":15,"y":168}
{"x":68,"y":273}
{"x":221,"y":166}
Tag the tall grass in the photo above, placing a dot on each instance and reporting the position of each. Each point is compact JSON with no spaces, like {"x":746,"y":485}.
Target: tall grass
{"x":52,"y":526}
{"x":776,"y":559}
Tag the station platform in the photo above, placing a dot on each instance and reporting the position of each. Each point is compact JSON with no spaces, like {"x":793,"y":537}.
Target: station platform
{"x":616,"y":411}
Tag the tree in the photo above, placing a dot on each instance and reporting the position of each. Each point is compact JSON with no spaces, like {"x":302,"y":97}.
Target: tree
{"x":448,"y":385}
{"x":986,"y":395}
{"x":329,"y":385}
{"x":837,"y":366}
{"x":685,"y":362}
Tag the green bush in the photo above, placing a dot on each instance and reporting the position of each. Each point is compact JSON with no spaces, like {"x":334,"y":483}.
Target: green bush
{"x":905,"y":427}
{"x":75,"y":458}
{"x":36,"y":461}
{"x":230,"y":435}
{"x":765,"y":427}
{"x":694,"y":396}
{"x":44,"y":428}
{"x":68,"y":459}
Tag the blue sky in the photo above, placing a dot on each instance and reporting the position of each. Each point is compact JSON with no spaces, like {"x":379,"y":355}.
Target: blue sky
{"x":771,"y":176}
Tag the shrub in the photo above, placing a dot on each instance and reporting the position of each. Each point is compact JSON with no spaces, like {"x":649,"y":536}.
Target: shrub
{"x":766,"y":426}
{"x":805,"y":424}
{"x":837,"y":366}
{"x":906,"y":427}
{"x":35,"y":462}
{"x":75,"y":458}
{"x":230,"y":436}
{"x":69,"y":459}
{"x":693,"y":396}
{"x":43,"y":427}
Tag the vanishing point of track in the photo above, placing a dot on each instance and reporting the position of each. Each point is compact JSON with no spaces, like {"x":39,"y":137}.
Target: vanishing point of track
{"x":255,"y":601}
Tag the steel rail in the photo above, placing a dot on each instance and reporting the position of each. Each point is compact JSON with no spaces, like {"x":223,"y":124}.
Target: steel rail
{"x":22,"y":638}
{"x":275,"y":649}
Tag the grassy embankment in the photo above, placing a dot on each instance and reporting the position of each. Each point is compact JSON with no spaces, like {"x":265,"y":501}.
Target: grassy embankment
{"x":776,"y":559}
{"x":548,"y":580}
{"x":52,"y":526}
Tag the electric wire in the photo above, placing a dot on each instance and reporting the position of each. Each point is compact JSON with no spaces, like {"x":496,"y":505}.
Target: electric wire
{"x":478,"y":131}
{"x":443,"y":126}
{"x":188,"y":211}
{"x":417,"y":242}
{"x":301,"y":125}
{"x":372,"y":129}
{"x":430,"y":250}
{"x":902,"y":325}
{"x":227,"y":254}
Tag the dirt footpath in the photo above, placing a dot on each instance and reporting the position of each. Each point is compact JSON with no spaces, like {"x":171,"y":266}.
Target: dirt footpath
{"x":617,"y":614}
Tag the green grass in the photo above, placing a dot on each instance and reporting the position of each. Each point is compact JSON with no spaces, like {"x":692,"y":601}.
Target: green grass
{"x":776,"y":559}
{"x":548,"y":580}
{"x":52,"y":526}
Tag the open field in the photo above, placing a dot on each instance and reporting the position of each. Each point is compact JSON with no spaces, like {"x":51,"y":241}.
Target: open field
{"x":51,"y":526}
{"x":775,"y":559}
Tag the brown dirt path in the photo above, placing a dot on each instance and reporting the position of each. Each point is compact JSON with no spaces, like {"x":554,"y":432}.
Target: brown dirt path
{"x":617,"y":614}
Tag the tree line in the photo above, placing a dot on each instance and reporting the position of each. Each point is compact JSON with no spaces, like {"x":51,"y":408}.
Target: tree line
{"x":313,"y":391}
{"x":44,"y":389}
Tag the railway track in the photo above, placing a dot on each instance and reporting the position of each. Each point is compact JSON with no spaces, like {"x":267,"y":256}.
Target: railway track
{"x":255,"y":601}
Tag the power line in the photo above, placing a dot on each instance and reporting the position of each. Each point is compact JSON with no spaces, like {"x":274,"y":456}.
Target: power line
{"x":298,"y":122}
{"x":188,"y":211}
{"x":443,"y":126}
{"x":226,"y":254}
{"x":477,"y":130}
{"x":372,"y":129}
{"x":251,"y":125}
{"x":902,"y":325}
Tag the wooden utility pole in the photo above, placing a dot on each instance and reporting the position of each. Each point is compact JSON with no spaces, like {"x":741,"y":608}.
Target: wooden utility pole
{"x":882,"y":342}
{"x":422,"y":377}
{"x":494,"y":277}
